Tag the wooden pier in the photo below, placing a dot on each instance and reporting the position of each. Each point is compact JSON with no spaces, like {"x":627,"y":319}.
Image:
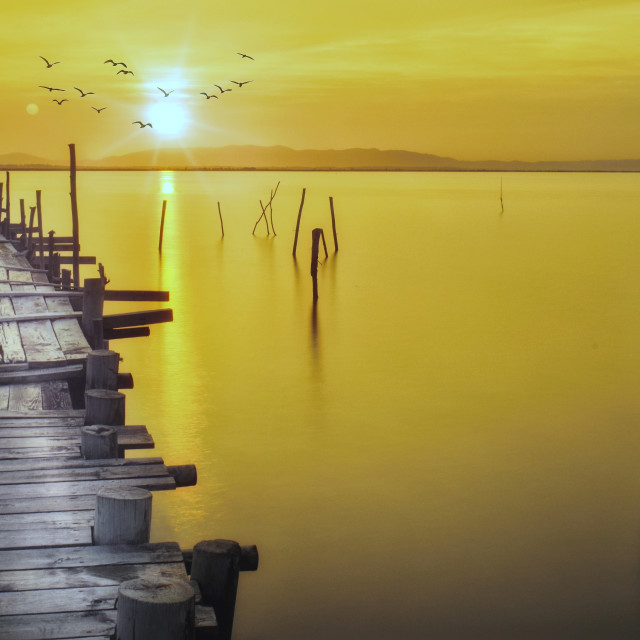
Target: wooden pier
{"x":66,"y":554}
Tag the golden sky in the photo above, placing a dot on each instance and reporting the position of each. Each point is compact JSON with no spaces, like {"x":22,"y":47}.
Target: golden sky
{"x":471,"y":79}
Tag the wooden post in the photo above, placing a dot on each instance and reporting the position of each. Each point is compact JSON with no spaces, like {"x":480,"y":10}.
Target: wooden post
{"x":123,"y":516}
{"x":295,"y":240}
{"x":98,"y":442}
{"x":102,"y":369}
{"x":220,"y":215}
{"x":23,"y":223}
{"x":104,"y":406}
{"x":271,"y":210}
{"x":51,"y":266}
{"x":159,"y":608}
{"x":315,"y":246}
{"x":333,"y":224}
{"x":7,"y":207}
{"x":164,"y":208}
{"x":31,"y":221}
{"x":74,"y":216}
{"x":92,"y":306}
{"x":66,"y":279}
{"x":2,"y":222}
{"x":39,"y":210}
{"x":215,"y":568}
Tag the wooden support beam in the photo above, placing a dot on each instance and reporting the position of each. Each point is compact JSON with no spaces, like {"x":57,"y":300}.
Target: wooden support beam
{"x":41,"y":375}
{"x":52,"y":315}
{"x":130,"y":295}
{"x":131,"y":332}
{"x":137,"y":318}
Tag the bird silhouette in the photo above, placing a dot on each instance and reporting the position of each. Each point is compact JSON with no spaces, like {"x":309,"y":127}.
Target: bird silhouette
{"x":166,"y":93}
{"x":99,"y":110}
{"x":221,"y":89}
{"x":50,"y":88}
{"x":83,"y":93}
{"x":49,"y":64}
{"x":148,"y":124}
{"x":125,"y":72}
{"x":60,"y":101}
{"x":115,"y":64}
{"x":241,"y":83}
{"x":244,"y":55}
{"x":207,"y":96}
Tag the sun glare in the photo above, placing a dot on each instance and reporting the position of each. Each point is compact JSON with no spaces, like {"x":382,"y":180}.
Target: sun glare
{"x":168,"y":118}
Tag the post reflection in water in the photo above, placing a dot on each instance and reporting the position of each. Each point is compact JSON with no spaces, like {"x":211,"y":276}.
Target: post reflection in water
{"x":463,"y":432}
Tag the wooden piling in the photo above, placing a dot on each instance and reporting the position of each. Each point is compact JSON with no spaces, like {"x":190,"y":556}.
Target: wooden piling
{"x":333,"y":224}
{"x":102,"y":369}
{"x":2,"y":221}
{"x":98,"y":442}
{"x":74,"y":216}
{"x":315,"y":247}
{"x":32,"y":216}
{"x":220,"y":216}
{"x":104,"y":406}
{"x":65,"y":277}
{"x":23,"y":223}
{"x":164,"y":209}
{"x":92,"y":307}
{"x":215,"y":567}
{"x":161,"y":608}
{"x":123,"y":516}
{"x":295,"y":240}
{"x":7,"y":206}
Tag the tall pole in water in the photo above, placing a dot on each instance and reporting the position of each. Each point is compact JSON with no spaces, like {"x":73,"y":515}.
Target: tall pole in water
{"x":74,"y":217}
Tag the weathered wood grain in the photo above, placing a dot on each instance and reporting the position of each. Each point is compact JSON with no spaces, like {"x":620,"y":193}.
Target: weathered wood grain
{"x":73,"y":463}
{"x":17,"y":453}
{"x":58,"y":600}
{"x":58,"y":625}
{"x":25,"y":397}
{"x":41,"y":422}
{"x":55,"y":395}
{"x":41,"y":375}
{"x":47,"y":505}
{"x":99,"y":576}
{"x":46,"y":537}
{"x":16,"y":521}
{"x":58,"y":413}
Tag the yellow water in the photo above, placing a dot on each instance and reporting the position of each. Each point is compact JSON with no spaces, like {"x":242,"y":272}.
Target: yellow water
{"x":447,"y":448}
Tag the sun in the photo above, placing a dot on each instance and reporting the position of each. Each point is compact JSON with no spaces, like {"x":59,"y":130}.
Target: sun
{"x":168,"y":118}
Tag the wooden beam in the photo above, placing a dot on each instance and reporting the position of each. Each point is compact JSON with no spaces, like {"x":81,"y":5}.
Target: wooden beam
{"x":131,"y":332}
{"x":137,"y":318}
{"x":126,"y":295}
{"x":41,"y":375}
{"x":52,"y":315}
{"x":47,"y":294}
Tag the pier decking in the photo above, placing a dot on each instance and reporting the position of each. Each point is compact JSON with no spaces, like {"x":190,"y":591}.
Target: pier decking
{"x":55,"y":583}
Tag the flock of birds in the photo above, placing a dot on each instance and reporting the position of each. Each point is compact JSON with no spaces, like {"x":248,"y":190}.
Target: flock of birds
{"x":126,"y":71}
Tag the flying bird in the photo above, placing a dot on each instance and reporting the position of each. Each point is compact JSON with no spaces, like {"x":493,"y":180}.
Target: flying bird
{"x":50,"y":88}
{"x":49,"y":64}
{"x":241,"y":83}
{"x":166,"y":93}
{"x":244,"y":55}
{"x":83,"y":93}
{"x":125,"y":72}
{"x":148,"y":124}
{"x":60,"y":101}
{"x":99,"y":110}
{"x":115,"y":64}
{"x":221,"y":89}
{"x":207,"y":96}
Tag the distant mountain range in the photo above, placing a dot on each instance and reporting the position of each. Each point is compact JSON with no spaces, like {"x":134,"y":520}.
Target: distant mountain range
{"x":280,"y":157}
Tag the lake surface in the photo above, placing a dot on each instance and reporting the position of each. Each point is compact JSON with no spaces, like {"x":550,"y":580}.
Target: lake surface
{"x":447,"y":447}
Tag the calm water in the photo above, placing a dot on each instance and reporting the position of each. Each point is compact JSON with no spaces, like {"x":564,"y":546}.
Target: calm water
{"x":449,"y":448}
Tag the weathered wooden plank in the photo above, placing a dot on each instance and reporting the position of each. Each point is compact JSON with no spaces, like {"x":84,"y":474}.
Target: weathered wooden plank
{"x":81,"y":474}
{"x":42,"y":375}
{"x":46,"y":519}
{"x":56,"y":395}
{"x":47,"y":505}
{"x":33,"y":317}
{"x":27,"y":431}
{"x":10,"y":342}
{"x":4,"y":397}
{"x":82,"y":577}
{"x":124,"y":295}
{"x":152,"y":553}
{"x":25,"y":397}
{"x":74,"y":463}
{"x":88,"y":487}
{"x":39,"y":341}
{"x":136,"y":318}
{"x":65,"y":295}
{"x":41,"y":422}
{"x":54,"y":600}
{"x":129,"y":437}
{"x":46,"y":537}
{"x":52,"y":626}
{"x":18,"y":453}
{"x":58,"y":413}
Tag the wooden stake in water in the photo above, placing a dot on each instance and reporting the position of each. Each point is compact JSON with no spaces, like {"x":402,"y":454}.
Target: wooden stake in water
{"x":501,"y":203}
{"x":164,"y":208}
{"x":316,"y":234}
{"x":74,"y":216}
{"x":333,"y":224}
{"x":295,"y":240}
{"x":220,"y":215}
{"x":39,"y":212}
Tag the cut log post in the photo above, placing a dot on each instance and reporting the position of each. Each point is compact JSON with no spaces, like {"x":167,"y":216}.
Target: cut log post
{"x":315,"y":245}
{"x":185,"y":475}
{"x":98,"y":334}
{"x":123,"y":516}
{"x":65,"y":278}
{"x":98,"y":442}
{"x":295,"y":240}
{"x":333,"y":224}
{"x":74,"y":216}
{"x":92,"y":306}
{"x":164,"y":209}
{"x":102,"y":369}
{"x":215,"y":567}
{"x":162,"y":609}
{"x":125,"y":381}
{"x":104,"y":406}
